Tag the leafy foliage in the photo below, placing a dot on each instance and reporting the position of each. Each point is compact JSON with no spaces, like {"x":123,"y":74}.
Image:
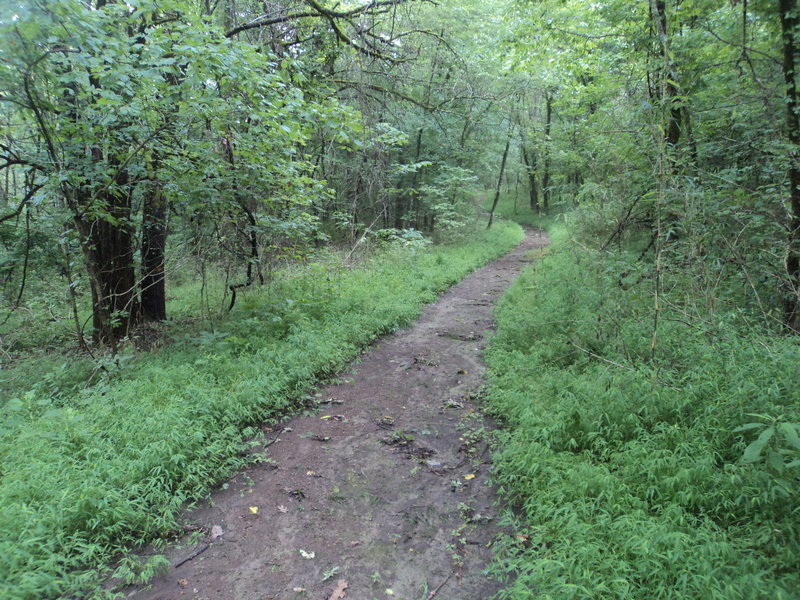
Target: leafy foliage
{"x":636,"y":475}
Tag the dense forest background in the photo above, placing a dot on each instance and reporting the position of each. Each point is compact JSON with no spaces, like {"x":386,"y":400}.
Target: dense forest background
{"x":138,"y":135}
{"x":184,"y":173}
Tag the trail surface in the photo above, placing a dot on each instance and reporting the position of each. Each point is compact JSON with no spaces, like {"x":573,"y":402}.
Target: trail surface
{"x":383,"y":492}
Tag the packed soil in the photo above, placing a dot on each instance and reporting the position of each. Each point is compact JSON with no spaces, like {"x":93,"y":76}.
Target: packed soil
{"x":381,"y":491}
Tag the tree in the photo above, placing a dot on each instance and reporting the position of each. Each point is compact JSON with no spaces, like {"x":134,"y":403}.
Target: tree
{"x":121,"y":113}
{"x":790,"y":21}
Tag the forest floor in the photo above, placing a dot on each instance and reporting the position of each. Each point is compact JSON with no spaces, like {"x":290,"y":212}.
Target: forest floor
{"x":382,"y":491}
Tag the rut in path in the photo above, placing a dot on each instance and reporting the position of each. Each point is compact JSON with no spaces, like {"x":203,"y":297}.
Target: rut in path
{"x":383,"y":493}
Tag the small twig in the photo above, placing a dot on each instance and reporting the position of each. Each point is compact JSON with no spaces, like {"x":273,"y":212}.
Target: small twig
{"x":192,"y":556}
{"x":432,"y":595}
{"x":275,"y":439}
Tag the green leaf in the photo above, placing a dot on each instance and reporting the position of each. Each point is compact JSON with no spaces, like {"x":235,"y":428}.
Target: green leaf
{"x":790,"y":434}
{"x":775,"y":461}
{"x":753,"y":452}
{"x":14,"y":404}
{"x":749,"y":427}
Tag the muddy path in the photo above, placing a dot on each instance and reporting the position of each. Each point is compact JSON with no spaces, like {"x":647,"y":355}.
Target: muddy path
{"x":382,"y":492}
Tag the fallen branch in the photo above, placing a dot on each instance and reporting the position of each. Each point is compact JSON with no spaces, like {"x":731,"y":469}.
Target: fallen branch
{"x":432,"y":595}
{"x":275,"y":439}
{"x":192,"y":556}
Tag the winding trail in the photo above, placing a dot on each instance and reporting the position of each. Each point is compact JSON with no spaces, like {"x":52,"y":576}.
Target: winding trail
{"x":383,"y":492}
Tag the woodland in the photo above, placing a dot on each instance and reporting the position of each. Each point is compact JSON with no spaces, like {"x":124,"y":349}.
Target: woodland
{"x":208,"y":205}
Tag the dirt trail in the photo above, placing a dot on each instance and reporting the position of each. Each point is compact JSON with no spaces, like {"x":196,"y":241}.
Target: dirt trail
{"x":384,"y":489}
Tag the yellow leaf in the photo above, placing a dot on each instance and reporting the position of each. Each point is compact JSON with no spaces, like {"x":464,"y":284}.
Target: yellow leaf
{"x":254,"y":510}
{"x":470,"y":476}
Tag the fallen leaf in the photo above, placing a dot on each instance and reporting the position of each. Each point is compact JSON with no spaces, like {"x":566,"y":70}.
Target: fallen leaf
{"x":310,"y":473}
{"x":254,"y":510}
{"x":469,"y":477}
{"x":307,"y":555}
{"x":338,"y":593}
{"x":216,"y":532}
{"x":183,"y":582}
{"x":282,"y":509}
{"x":389,"y":592}
{"x":299,"y":590}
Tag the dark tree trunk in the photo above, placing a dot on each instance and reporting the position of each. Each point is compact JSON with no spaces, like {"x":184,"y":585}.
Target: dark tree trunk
{"x":789,"y":30}
{"x":679,"y":118}
{"x":499,"y":182}
{"x":529,"y":159}
{"x":399,"y":209}
{"x":154,"y":230}
{"x":107,"y":244}
{"x":405,"y":199}
{"x":673,"y":133}
{"x":154,"y":243}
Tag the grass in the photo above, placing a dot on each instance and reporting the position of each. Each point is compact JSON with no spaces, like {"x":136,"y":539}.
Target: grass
{"x":630,"y":474}
{"x":90,"y":472}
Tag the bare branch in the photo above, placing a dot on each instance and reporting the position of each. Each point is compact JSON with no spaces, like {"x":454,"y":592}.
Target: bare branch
{"x":21,"y":206}
{"x":378,"y":88}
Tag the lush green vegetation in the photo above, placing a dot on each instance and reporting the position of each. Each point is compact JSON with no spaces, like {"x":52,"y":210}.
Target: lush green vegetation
{"x":109,"y":467}
{"x":646,"y":369}
{"x":636,"y":472}
{"x":212,"y":162}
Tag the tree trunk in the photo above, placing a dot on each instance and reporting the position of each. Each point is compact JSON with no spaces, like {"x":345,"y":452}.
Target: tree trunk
{"x":670,"y":85}
{"x":154,"y":243}
{"x":154,"y":229}
{"x":789,"y":26}
{"x":529,"y":160}
{"x":107,"y":244}
{"x":678,"y":114}
{"x":499,"y":181}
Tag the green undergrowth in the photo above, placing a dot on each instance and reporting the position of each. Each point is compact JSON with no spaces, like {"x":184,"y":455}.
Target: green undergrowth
{"x":110,"y":467}
{"x":635,"y":474}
